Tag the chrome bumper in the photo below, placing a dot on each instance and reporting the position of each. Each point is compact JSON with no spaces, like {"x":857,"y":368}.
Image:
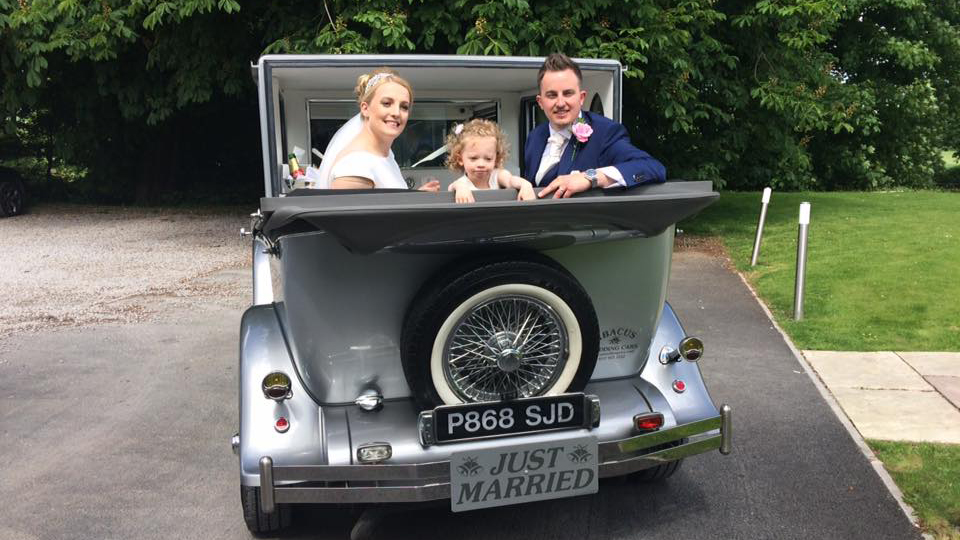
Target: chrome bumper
{"x":347,"y":484}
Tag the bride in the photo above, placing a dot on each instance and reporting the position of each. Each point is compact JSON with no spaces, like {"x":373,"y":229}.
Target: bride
{"x":359,"y":155}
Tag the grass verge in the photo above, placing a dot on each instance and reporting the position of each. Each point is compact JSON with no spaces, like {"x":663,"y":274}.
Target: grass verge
{"x":881,"y":266}
{"x":929,"y":476}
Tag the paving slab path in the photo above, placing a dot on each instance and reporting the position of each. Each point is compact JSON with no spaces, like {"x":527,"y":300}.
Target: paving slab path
{"x":895,"y":396}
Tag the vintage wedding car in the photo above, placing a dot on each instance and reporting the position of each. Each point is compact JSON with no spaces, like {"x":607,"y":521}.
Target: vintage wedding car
{"x":401,"y":347}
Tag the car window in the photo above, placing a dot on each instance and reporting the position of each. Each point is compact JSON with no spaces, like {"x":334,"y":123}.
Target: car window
{"x":596,"y":105}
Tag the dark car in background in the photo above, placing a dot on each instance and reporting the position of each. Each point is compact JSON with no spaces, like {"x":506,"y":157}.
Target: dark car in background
{"x":13,"y":194}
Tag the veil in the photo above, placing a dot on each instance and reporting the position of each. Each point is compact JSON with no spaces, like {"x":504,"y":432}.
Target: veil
{"x":340,"y":140}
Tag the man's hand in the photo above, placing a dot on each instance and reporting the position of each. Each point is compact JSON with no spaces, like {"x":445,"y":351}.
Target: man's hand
{"x":566,"y":186}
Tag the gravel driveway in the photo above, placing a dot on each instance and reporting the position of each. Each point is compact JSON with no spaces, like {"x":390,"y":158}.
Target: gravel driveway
{"x":79,"y":265}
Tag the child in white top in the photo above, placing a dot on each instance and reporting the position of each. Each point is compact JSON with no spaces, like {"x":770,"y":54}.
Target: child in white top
{"x":478,"y":149}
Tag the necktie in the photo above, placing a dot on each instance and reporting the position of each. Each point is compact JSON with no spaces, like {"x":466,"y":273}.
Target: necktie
{"x":554,"y":147}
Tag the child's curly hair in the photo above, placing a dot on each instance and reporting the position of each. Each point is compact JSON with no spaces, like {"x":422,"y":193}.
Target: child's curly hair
{"x":477,"y":127}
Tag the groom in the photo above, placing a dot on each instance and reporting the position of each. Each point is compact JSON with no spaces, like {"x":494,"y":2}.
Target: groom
{"x":578,"y":140}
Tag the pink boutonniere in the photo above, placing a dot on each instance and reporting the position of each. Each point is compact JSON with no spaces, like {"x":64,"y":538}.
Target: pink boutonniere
{"x":582,"y":130}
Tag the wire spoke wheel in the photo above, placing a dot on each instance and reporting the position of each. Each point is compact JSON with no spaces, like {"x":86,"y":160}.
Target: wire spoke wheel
{"x":511,"y":346}
{"x":498,"y":329}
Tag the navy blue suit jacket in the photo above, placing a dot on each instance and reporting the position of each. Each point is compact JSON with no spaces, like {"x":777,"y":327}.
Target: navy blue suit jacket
{"x":609,"y":145}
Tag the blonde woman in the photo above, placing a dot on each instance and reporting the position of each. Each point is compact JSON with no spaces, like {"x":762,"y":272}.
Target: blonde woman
{"x":359,"y":155}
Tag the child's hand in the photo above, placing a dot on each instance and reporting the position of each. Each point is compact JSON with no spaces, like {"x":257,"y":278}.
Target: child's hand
{"x":464,"y":195}
{"x":525,"y":193}
{"x":463,"y":191}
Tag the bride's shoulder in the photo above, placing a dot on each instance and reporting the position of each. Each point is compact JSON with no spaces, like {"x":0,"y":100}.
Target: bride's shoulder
{"x":354,"y":163}
{"x":354,"y":155}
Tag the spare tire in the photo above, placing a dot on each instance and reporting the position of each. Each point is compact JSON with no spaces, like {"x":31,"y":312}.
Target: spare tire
{"x":499,"y":329}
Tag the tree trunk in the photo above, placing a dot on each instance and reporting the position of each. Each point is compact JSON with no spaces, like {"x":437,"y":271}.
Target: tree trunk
{"x":49,"y":157}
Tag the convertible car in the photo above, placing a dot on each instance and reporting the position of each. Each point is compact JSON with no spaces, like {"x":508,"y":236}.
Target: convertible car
{"x":404,"y":348}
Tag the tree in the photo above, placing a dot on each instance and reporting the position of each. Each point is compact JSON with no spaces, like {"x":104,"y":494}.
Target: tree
{"x":790,"y":93}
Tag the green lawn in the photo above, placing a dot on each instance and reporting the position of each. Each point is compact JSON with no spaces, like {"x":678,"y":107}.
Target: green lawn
{"x":883,"y":268}
{"x":929,"y":476}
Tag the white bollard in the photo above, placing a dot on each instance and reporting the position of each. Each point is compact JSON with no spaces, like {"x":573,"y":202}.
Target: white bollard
{"x":801,"y":261}
{"x":764,"y":201}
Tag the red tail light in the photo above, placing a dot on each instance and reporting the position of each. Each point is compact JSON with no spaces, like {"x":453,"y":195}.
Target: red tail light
{"x":648,"y":422}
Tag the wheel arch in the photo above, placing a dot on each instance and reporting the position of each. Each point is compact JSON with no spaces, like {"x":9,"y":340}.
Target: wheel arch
{"x":694,"y":403}
{"x":263,"y":349}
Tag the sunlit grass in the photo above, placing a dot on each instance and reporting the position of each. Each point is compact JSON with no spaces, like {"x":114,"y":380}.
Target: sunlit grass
{"x":929,"y":477}
{"x":882,"y":268}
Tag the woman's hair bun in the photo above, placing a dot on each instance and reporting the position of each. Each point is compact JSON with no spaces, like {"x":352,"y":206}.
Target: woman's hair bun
{"x":362,"y":84}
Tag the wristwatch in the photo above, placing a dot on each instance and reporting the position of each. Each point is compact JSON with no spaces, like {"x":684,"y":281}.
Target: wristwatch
{"x":591,"y":175}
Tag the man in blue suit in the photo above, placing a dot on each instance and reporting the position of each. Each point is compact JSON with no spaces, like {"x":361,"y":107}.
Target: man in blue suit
{"x":578,"y":140}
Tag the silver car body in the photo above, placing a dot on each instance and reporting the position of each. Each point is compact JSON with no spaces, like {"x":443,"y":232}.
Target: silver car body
{"x":329,"y":305}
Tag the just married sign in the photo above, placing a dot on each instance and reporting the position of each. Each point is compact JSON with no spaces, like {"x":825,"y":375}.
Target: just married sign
{"x":523,"y":473}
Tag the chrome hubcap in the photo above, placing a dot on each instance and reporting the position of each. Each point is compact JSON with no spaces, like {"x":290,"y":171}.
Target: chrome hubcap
{"x":511,"y":346}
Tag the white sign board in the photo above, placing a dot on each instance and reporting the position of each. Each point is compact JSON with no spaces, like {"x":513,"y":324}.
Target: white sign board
{"x":512,"y":474}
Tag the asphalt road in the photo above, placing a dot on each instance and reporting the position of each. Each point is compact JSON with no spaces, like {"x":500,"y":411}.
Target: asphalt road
{"x":121,"y":431}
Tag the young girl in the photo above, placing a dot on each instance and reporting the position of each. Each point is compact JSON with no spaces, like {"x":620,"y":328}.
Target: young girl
{"x":478,"y":149}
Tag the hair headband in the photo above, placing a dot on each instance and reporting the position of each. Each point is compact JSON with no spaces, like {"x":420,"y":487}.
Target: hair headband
{"x":375,"y":79}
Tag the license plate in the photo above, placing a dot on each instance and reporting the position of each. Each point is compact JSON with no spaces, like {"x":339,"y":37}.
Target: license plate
{"x":521,"y":473}
{"x":499,"y":418}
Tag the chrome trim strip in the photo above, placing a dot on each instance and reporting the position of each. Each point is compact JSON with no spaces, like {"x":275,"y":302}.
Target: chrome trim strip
{"x":640,"y":442}
{"x":427,"y":60}
{"x":432,"y":480}
{"x":340,"y":473}
{"x":346,"y":495}
{"x":263,"y":91}
{"x":262,"y":279}
{"x":726,"y":429}
{"x":270,"y":147}
{"x":267,"y":499}
{"x":627,"y":466}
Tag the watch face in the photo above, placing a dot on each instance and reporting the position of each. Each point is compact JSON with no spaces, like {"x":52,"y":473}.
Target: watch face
{"x":591,"y":175}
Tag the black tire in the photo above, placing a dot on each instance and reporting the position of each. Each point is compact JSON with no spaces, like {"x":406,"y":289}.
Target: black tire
{"x":659,"y":473}
{"x":257,"y":521}
{"x":12,"y":197}
{"x":532,"y":287}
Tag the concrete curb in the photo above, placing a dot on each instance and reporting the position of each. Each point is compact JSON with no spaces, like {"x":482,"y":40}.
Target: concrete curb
{"x":838,"y":412}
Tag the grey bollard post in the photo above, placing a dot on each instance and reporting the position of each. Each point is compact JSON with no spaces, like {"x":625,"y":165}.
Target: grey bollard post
{"x":801,"y":261}
{"x":764,"y":201}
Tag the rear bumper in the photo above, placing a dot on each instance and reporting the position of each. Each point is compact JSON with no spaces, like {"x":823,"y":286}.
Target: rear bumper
{"x":418,"y":482}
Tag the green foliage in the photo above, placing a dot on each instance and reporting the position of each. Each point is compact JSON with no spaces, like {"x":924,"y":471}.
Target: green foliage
{"x":818,"y":94}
